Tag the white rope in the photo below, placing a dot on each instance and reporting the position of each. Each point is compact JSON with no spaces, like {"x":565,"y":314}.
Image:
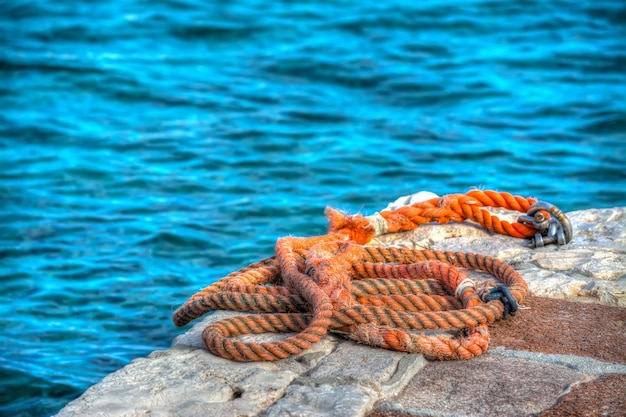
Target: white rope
{"x":465,"y":284}
{"x":379,"y":223}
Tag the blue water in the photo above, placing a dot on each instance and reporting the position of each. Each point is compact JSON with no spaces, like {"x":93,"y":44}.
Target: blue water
{"x":149,"y":148}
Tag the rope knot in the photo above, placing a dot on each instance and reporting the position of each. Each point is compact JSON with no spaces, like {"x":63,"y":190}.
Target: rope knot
{"x":391,"y":297}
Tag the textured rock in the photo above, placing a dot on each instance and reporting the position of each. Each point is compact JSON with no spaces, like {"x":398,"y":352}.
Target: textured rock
{"x":334,"y":378}
{"x":591,"y":268}
{"x":548,"y":359}
{"x":557,"y":326}
{"x":609,"y":399}
{"x":183,"y":382}
{"x":579,"y":363}
{"x":324,"y":400}
{"x":485,"y":386}
{"x":374,"y":368}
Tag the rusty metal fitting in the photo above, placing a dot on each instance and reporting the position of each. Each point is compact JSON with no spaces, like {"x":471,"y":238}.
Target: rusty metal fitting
{"x":555,"y":229}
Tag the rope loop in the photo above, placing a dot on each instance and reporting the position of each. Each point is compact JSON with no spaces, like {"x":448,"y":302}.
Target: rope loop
{"x":389,"y":297}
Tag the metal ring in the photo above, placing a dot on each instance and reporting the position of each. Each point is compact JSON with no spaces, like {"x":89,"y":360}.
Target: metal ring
{"x":558,"y":214}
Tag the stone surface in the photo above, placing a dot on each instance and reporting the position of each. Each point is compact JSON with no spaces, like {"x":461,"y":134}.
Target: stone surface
{"x":555,"y":358}
{"x":557,"y":326}
{"x":484,"y":386}
{"x":579,"y":363}
{"x":591,"y":268}
{"x":183,"y":382}
{"x":373,"y":368}
{"x":335,"y":378}
{"x":602,"y":397}
{"x":324,"y":400}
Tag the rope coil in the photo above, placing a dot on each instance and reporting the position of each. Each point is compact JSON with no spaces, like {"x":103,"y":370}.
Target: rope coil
{"x":381,"y":296}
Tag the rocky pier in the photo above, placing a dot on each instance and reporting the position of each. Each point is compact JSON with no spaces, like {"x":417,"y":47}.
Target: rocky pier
{"x":563,"y":354}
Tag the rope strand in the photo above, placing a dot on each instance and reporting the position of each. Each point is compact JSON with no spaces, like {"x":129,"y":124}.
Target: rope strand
{"x":381,"y":296}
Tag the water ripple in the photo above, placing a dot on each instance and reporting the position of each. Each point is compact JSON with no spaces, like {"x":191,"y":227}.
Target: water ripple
{"x":149,"y":149}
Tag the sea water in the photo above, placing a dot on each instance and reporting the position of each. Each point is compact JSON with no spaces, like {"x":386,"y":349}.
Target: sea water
{"x":148,"y":148}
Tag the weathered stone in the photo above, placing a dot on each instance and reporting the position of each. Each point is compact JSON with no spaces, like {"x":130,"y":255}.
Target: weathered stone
{"x":362,"y":365}
{"x":535,"y":358}
{"x":602,"y":397}
{"x":590,"y":268}
{"x":185,"y":382}
{"x":484,"y":386}
{"x":425,"y":236}
{"x":407,"y":368}
{"x":348,"y":382}
{"x":563,"y":327}
{"x":324,"y":400}
{"x":578,"y":363}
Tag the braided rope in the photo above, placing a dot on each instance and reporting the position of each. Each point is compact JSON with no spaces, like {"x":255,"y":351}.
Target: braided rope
{"x":450,"y":208}
{"x":382,"y":296}
{"x":459,"y":207}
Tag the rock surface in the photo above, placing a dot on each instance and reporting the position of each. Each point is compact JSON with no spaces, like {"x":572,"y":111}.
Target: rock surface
{"x":559,"y":357}
{"x":591,"y":268}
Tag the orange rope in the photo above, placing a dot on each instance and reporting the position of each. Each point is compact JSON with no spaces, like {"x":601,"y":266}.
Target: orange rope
{"x":452,"y":207}
{"x":374,"y":295}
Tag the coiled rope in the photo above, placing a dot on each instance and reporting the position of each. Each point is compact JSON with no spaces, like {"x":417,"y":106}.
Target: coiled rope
{"x":394,"y":298}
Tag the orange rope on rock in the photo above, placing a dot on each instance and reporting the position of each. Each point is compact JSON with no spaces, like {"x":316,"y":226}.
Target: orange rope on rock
{"x":450,"y":208}
{"x":381,"y":296}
